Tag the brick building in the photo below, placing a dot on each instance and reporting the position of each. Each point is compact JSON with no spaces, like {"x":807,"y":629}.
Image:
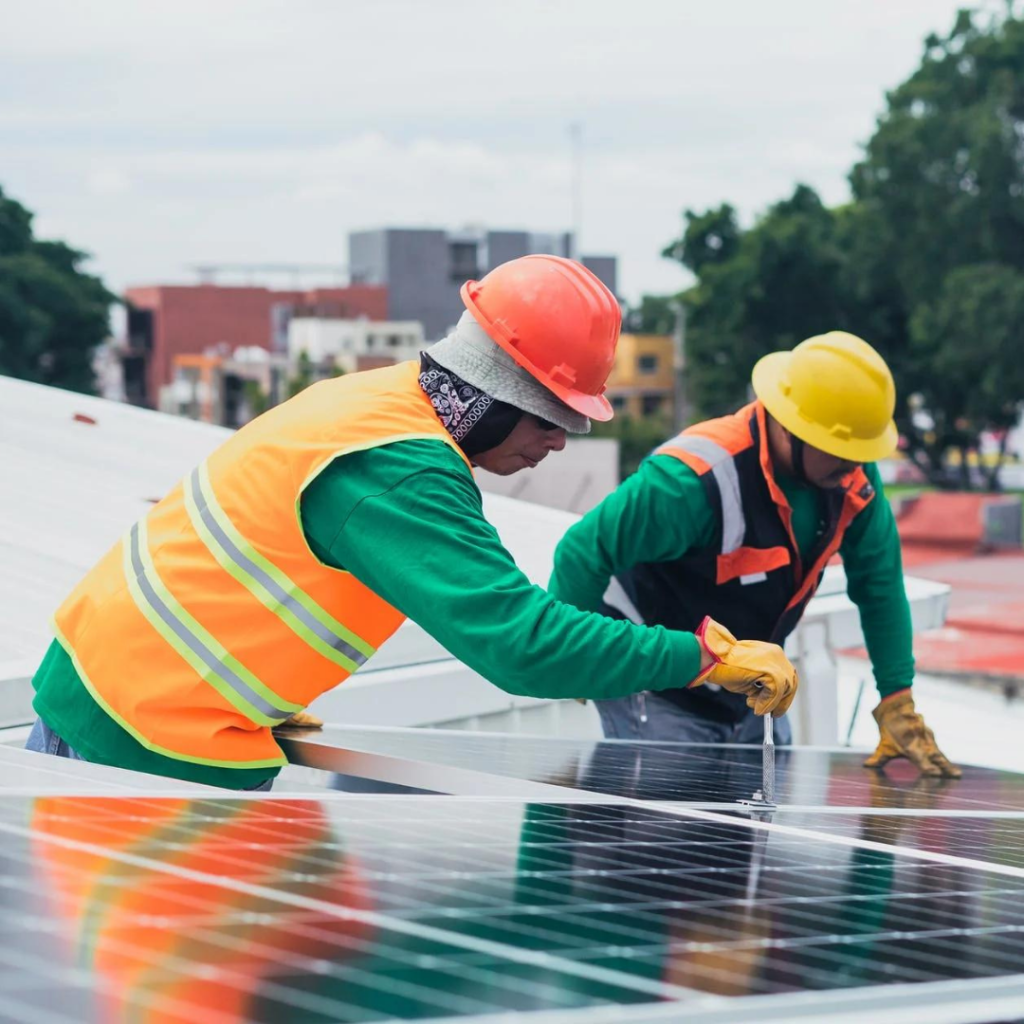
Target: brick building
{"x":165,"y":321}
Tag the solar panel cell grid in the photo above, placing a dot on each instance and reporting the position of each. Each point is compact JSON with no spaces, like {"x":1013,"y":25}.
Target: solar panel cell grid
{"x":357,"y":910}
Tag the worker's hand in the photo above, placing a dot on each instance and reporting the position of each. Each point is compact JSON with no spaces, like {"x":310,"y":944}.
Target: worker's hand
{"x":902,"y":733}
{"x":759,"y":670}
{"x":302,"y":720}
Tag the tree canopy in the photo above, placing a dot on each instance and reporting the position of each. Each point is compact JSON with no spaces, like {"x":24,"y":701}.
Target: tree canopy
{"x":926,"y":262}
{"x":52,"y":313}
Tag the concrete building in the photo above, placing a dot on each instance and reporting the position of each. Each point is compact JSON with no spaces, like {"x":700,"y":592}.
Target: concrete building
{"x":423,"y":268}
{"x":169,"y":320}
{"x":641,"y":383}
{"x":226,"y":390}
{"x":352,"y":345}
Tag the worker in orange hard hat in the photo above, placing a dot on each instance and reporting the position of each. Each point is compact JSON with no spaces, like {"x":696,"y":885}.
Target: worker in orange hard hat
{"x":736,"y":519}
{"x":281,"y":563}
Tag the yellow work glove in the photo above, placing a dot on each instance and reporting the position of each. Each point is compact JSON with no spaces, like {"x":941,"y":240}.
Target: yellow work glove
{"x":903,"y":733}
{"x":302,"y":720}
{"x":760,"y":670}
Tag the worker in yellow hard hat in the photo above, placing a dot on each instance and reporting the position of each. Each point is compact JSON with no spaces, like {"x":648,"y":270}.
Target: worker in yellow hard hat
{"x":733,"y":522}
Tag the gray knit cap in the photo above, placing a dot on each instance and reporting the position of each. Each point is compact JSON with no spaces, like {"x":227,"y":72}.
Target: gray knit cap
{"x":469,"y":352}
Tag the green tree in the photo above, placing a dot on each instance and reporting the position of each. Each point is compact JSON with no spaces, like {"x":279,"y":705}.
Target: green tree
{"x":924,"y":263}
{"x":708,"y":238}
{"x":971,"y":335}
{"x":656,"y":314}
{"x":303,"y":376}
{"x":763,"y":289}
{"x":52,"y":313}
{"x":637,"y":438}
{"x":944,"y":171}
{"x":939,"y":222}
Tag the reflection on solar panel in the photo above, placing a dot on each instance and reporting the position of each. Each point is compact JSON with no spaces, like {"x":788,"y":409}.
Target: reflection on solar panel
{"x":692,"y":773}
{"x":365,"y":907}
{"x":986,"y":839}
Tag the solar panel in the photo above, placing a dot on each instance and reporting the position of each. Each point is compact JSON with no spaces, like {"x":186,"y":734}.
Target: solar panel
{"x":697,"y":774}
{"x":355,"y":909}
{"x":591,"y":881}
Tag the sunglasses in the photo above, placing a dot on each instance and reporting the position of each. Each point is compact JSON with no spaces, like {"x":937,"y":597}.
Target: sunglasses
{"x":545,"y":424}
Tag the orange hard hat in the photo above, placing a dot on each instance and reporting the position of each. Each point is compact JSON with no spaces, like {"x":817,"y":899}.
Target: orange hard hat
{"x":557,"y":321}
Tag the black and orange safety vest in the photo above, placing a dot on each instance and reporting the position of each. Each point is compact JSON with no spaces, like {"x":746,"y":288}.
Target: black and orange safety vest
{"x":752,"y":579}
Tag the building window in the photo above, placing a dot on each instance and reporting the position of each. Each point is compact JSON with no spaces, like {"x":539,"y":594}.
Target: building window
{"x":647,"y":364}
{"x":652,"y":404}
{"x":618,"y":402}
{"x":465,"y":260}
{"x":140,"y":329}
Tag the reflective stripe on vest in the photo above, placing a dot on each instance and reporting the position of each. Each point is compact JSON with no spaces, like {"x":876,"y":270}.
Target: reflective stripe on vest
{"x":203,"y":652}
{"x":723,"y":467}
{"x":720,"y":461}
{"x":268,"y":584}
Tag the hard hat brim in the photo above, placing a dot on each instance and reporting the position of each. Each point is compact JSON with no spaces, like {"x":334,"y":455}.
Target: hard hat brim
{"x":767,"y":378}
{"x":595,"y":407}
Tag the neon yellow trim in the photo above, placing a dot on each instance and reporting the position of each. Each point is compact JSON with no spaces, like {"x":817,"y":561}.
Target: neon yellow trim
{"x":273,"y":762}
{"x":257,"y":589}
{"x":228,"y":564}
{"x":197,"y":664}
{"x":210,"y":641}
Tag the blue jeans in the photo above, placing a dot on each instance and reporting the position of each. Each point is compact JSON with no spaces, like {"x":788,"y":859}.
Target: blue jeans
{"x":44,"y":740}
{"x":648,"y":716}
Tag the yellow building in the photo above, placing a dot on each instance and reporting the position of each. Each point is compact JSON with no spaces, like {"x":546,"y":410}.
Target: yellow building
{"x":641,"y":384}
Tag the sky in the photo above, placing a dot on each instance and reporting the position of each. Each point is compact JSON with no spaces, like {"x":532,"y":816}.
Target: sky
{"x":158,"y":136}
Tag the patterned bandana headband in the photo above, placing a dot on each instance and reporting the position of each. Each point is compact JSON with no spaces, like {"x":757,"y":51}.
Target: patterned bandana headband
{"x":463,"y":408}
{"x":459,"y":406}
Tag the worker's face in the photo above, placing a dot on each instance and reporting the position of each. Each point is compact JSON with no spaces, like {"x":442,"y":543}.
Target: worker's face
{"x":820,"y":468}
{"x":530,"y":441}
{"x":824,"y":470}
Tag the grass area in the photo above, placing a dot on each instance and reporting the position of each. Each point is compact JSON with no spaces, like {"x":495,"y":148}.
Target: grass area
{"x":906,"y":490}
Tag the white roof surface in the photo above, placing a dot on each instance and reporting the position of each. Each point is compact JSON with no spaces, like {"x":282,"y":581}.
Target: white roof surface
{"x":78,"y":471}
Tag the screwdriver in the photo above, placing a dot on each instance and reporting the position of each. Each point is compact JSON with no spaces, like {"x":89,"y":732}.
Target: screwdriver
{"x":768,"y":761}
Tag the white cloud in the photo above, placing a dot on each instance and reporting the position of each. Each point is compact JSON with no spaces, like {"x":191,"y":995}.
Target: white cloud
{"x":108,"y":181}
{"x":157,"y":136}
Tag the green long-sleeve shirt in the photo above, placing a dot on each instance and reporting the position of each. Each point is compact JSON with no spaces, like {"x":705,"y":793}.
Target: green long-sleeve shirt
{"x":407,"y":520}
{"x":662,"y":512}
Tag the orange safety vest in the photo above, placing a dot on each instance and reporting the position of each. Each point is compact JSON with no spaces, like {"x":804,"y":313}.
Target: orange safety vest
{"x":211,"y":621}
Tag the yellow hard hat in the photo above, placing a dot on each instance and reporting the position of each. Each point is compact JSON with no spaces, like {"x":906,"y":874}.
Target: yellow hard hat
{"x":835,"y":393}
